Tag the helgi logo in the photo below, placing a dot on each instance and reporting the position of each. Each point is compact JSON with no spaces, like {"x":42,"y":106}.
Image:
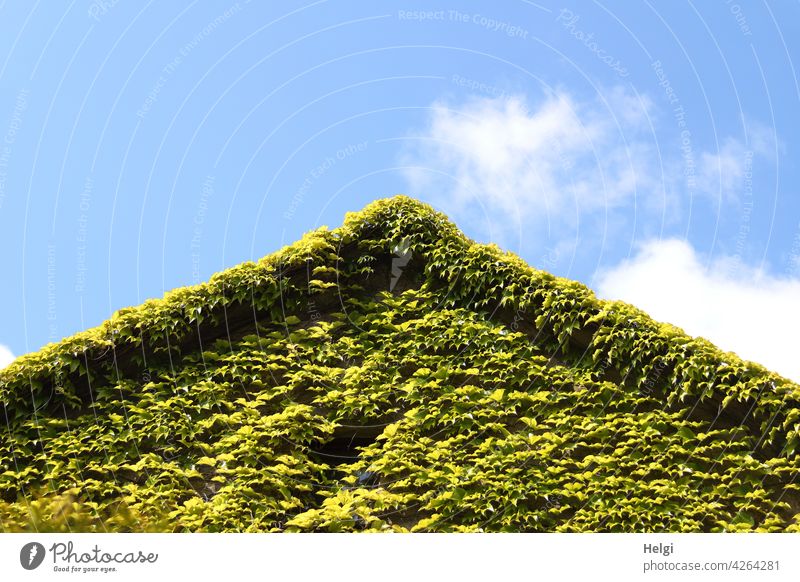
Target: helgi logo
{"x":31,"y":555}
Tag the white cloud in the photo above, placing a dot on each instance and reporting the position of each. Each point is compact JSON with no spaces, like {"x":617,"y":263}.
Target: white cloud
{"x":739,"y":308}
{"x":6,"y":357}
{"x":547,"y":162}
{"x":569,"y":163}
{"x":581,"y":173}
{"x":727,"y":171}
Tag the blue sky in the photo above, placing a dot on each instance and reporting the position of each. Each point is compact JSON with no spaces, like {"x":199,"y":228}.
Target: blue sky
{"x":646,"y":149}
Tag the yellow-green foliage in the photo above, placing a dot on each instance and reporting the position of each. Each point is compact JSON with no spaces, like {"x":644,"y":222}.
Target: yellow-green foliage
{"x":508,"y":399}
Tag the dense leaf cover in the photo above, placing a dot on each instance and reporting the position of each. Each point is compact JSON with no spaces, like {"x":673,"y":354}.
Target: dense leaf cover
{"x":481,"y":395}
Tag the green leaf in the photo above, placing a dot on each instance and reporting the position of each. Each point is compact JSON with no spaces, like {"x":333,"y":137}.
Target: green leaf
{"x":742,"y":518}
{"x":497,"y":395}
{"x":458,"y":494}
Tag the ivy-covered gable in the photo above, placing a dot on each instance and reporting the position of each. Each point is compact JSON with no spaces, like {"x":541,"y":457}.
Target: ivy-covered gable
{"x":392,"y":374}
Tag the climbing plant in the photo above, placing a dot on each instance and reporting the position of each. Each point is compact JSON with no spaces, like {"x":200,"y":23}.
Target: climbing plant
{"x":470,"y":392}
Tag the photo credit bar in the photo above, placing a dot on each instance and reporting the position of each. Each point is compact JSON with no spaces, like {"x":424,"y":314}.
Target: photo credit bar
{"x":463,"y":557}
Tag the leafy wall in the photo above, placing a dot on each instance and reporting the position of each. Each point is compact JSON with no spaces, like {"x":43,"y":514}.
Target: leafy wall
{"x":391,"y":374}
